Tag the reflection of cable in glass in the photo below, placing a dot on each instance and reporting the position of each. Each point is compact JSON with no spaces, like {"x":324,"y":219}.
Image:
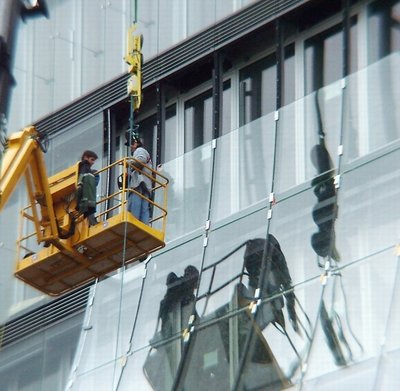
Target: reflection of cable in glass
{"x":331,"y":336}
{"x":347,"y":315}
{"x":324,"y":215}
{"x":324,"y":212}
{"x":333,"y":327}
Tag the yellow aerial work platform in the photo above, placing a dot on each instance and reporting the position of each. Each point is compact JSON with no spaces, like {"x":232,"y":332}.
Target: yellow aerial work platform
{"x":90,"y":252}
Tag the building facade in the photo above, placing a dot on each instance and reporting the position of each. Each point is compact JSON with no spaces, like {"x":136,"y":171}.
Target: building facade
{"x":276,"y":124}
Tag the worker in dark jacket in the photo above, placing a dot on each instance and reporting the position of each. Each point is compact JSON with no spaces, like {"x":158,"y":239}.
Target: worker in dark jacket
{"x":87,"y":181}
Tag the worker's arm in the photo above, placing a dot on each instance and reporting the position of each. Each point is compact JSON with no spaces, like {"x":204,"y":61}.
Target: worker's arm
{"x":140,"y":158}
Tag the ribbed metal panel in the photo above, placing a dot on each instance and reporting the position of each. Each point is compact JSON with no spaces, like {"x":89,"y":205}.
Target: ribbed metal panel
{"x":177,"y":57}
{"x":45,"y":316}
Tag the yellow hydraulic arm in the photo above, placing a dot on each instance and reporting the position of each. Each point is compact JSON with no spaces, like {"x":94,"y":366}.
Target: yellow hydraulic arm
{"x":24,"y":157}
{"x":20,"y":148}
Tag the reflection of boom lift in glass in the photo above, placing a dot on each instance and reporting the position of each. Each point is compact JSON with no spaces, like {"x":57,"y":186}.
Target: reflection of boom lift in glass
{"x":75,"y":253}
{"x":210,"y":356}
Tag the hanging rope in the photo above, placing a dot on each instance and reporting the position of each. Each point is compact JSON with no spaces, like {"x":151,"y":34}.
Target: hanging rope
{"x":134,"y":60}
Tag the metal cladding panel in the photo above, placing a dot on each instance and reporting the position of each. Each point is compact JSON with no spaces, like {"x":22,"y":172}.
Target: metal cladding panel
{"x":38,"y":319}
{"x":170,"y":61}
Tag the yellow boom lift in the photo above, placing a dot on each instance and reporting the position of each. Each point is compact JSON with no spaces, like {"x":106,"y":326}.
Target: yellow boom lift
{"x":67,"y":251}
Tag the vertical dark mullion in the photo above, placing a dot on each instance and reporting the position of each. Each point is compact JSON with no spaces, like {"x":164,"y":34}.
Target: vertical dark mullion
{"x":280,"y":75}
{"x":318,"y":65}
{"x":160,"y":120}
{"x":242,"y":103}
{"x":384,"y":41}
{"x":280,"y":57}
{"x":217,"y":91}
{"x":109,"y":132}
{"x":256,"y":96}
{"x":346,"y":38}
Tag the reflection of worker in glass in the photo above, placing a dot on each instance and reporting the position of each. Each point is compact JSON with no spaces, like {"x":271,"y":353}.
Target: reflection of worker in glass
{"x":87,"y":181}
{"x":142,"y":184}
{"x":276,"y":279}
{"x":176,"y":309}
{"x":180,"y":292}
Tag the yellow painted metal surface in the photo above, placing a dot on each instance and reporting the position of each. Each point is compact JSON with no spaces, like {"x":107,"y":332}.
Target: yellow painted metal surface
{"x":63,"y":183}
{"x":134,"y":59}
{"x":91,"y":252}
{"x":63,"y":252}
{"x":100,"y":249}
{"x":18,"y":156}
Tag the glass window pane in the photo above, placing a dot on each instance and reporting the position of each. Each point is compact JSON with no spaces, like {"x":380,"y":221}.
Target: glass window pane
{"x":166,"y":302}
{"x":298,"y":136}
{"x":101,"y":377}
{"x":109,"y":320}
{"x":226,"y":108}
{"x":353,"y":323}
{"x":383,"y":31}
{"x":243,"y":170}
{"x":371,"y":119}
{"x":45,"y":355}
{"x":66,"y":148}
{"x":257,"y":89}
{"x":323,"y":59}
{"x":198,"y":121}
{"x":188,"y":191}
{"x":170,"y":144}
{"x":369,"y":208}
{"x":152,"y":368}
{"x":148,"y":131}
{"x":289,"y":81}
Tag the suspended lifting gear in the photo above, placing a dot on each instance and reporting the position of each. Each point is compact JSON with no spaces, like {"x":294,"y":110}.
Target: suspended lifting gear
{"x":134,"y":59}
{"x":64,"y":251}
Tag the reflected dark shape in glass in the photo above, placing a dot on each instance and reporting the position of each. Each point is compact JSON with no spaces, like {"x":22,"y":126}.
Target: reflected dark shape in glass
{"x":276,"y":280}
{"x":237,"y":336}
{"x":334,"y":340}
{"x":175,"y":310}
{"x":324,"y":212}
{"x":214,"y":354}
{"x":267,"y":270}
{"x":180,"y":293}
{"x":324,"y":215}
{"x":211,"y":358}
